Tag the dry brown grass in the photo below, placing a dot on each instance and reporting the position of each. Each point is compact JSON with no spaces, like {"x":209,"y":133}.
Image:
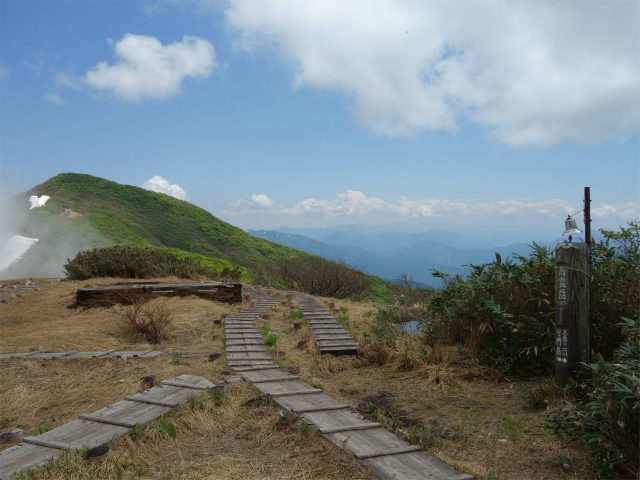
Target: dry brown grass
{"x":474,"y":419}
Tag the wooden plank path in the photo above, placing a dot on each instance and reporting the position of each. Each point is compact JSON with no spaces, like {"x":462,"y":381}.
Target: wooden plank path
{"x":95,"y":429}
{"x":330,"y":336}
{"x":243,"y":342}
{"x":150,"y":353}
{"x":74,"y":354}
{"x":380,"y":451}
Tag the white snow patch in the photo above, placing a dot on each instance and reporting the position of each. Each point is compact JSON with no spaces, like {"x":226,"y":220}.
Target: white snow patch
{"x":15,"y":248}
{"x":38,"y":202}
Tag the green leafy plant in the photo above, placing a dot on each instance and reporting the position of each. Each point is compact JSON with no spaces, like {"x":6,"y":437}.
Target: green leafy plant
{"x":271,"y":340}
{"x":605,"y":413}
{"x":295,"y":315}
{"x":166,"y":427}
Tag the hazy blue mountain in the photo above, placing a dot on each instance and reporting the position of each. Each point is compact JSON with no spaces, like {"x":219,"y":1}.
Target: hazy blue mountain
{"x":392,"y":239}
{"x":415,"y":259}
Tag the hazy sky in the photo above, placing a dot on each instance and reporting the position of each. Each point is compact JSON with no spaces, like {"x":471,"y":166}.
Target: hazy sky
{"x":316,"y":113}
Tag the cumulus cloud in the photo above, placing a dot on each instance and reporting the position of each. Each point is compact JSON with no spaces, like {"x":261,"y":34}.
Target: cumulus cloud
{"x":53,"y":98}
{"x":256,"y":202}
{"x":148,"y":69}
{"x":162,"y":185}
{"x":356,"y":206}
{"x":532,"y":72}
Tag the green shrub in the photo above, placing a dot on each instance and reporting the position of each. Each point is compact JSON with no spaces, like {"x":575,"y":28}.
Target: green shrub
{"x":505,"y":310}
{"x":127,"y":261}
{"x":606,"y":414}
{"x":313,"y":275}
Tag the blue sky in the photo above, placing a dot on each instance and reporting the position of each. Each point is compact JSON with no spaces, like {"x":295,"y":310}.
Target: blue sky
{"x":487,"y":114}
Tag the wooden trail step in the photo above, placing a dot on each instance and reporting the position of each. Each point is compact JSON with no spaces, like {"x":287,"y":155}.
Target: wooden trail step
{"x":296,"y":392}
{"x":390,"y":451}
{"x":101,"y":426}
{"x":347,"y":428}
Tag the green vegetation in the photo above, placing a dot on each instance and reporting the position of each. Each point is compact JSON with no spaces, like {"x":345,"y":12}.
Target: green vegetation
{"x":606,"y":413}
{"x":130,"y":261}
{"x":505,"y":311}
{"x":313,"y":275}
{"x":503,"y":316}
{"x":115,"y":214}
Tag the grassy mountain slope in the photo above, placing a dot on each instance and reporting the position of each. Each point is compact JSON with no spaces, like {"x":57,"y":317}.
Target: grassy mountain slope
{"x":86,"y":212}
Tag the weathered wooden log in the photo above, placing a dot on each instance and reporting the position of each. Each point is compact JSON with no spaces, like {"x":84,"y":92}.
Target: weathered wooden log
{"x":108,"y":295}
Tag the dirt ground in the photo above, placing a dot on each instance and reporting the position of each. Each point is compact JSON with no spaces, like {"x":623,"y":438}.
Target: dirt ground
{"x":471,"y":418}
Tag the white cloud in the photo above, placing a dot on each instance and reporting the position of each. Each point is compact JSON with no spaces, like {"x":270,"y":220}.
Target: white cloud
{"x":38,"y":202}
{"x":148,"y":69}
{"x":34,"y":66}
{"x":151,"y":9}
{"x":161,"y":185}
{"x":4,"y":72}
{"x":68,"y":79}
{"x":356,"y":206}
{"x":532,"y":72}
{"x":256,"y":202}
{"x":261,"y":201}
{"x":53,"y":98}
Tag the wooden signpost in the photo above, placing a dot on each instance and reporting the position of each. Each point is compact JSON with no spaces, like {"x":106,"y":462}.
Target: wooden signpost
{"x":572,"y":341}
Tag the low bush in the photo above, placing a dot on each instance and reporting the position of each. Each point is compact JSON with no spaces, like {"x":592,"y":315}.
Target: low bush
{"x":605,"y":413}
{"x":504,"y":311}
{"x":313,"y":275}
{"x":125,"y":261}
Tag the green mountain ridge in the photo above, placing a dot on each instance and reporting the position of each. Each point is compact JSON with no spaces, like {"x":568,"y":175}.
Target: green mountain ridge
{"x":87,"y":212}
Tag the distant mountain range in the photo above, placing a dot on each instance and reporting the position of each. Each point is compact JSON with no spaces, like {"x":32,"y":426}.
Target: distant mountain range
{"x":389,"y":254}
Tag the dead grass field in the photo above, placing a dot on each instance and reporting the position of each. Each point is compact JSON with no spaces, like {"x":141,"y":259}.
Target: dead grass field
{"x":461,"y":413}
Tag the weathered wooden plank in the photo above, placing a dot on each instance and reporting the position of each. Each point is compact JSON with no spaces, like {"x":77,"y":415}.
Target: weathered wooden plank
{"x":93,"y":418}
{"x":277,"y":379}
{"x":246,"y":348}
{"x":24,"y":456}
{"x":126,"y":413}
{"x":48,"y":356}
{"x":251,"y":369}
{"x":347,"y":428}
{"x":46,"y":443}
{"x":318,"y":409}
{"x":174,"y":383}
{"x":333,"y":337}
{"x":79,"y":433}
{"x":228,"y":292}
{"x":153,"y":402}
{"x":412,"y":466}
{"x":363,"y":442}
{"x":390,"y":451}
{"x":248,"y":341}
{"x":296,"y":392}
{"x":91,"y":354}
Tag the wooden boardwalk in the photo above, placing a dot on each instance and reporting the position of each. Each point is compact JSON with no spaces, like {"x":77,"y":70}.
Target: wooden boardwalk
{"x":74,"y":354}
{"x":150,"y":353}
{"x":96,"y":428}
{"x":380,"y":451}
{"x":243,"y":343}
{"x":330,"y":336}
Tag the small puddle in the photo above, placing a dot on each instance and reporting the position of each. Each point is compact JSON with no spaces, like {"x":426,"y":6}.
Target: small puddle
{"x":410,"y":326}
